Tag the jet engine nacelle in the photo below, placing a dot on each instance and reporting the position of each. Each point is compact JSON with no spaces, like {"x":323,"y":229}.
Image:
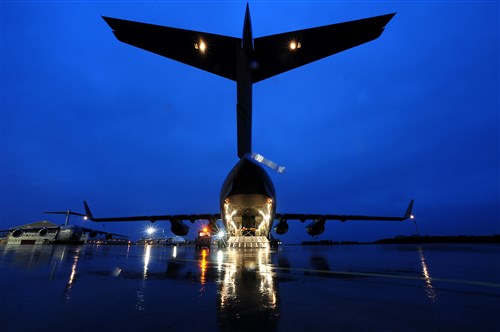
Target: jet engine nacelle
{"x":281,"y":228}
{"x":17,"y":233}
{"x":43,"y":232}
{"x":92,"y":234}
{"x":316,"y":227}
{"x":179,"y":228}
{"x":108,"y":236}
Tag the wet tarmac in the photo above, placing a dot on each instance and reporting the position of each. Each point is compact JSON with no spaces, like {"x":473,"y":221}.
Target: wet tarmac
{"x":295,"y":288}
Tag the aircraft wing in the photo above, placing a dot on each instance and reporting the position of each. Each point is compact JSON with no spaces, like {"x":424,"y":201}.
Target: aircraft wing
{"x":273,"y":54}
{"x":90,"y":230}
{"x":153,"y":218}
{"x":343,"y":217}
{"x":28,"y":229}
{"x":217,"y":55}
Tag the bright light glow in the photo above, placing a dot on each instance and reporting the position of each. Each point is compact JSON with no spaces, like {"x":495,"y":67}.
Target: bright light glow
{"x":220,"y":259}
{"x":203,"y":266}
{"x":85,"y":218}
{"x":73,"y":273}
{"x":174,"y":252}
{"x":412,"y":217}
{"x":205,"y":229}
{"x":147,"y":256}
{"x":150,"y":230}
{"x":221,"y":234}
{"x":201,"y":46}
{"x":294,"y":45}
{"x":431,"y":293}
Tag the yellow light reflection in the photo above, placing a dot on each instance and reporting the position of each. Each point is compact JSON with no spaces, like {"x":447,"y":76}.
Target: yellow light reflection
{"x":73,"y":273}
{"x":235,"y":286}
{"x":72,"y":276}
{"x":431,"y":293}
{"x":203,"y":266}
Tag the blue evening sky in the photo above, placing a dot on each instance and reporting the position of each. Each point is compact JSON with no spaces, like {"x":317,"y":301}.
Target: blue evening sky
{"x":413,"y":114}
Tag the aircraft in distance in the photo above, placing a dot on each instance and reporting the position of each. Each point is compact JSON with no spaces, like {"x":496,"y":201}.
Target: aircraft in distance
{"x":73,"y":233}
{"x":50,"y":233}
{"x":248,"y":197}
{"x":175,"y":240}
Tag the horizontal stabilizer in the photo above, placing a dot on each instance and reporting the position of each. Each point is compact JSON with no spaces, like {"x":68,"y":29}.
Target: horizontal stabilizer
{"x":279,"y":53}
{"x":210,"y":52}
{"x":272,"y":55}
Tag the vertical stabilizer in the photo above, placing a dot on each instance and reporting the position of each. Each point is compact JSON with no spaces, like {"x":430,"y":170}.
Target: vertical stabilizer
{"x":244,"y":89}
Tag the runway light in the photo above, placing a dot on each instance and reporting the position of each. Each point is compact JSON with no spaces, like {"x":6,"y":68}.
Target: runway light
{"x":150,"y":230}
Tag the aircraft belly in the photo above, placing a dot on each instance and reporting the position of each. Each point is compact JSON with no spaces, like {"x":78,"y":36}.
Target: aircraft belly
{"x":64,"y":235}
{"x":68,"y":235}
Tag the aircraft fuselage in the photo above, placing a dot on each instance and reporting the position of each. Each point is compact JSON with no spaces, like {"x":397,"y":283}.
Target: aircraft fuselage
{"x":248,"y":200}
{"x":248,"y":197}
{"x":244,"y":89}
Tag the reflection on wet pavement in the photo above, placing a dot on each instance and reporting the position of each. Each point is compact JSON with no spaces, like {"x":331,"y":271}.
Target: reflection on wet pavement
{"x":253,"y":289}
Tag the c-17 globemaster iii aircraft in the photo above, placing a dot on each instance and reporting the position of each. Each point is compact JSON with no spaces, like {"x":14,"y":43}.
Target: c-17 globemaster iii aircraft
{"x":48,"y":233}
{"x":248,"y":197}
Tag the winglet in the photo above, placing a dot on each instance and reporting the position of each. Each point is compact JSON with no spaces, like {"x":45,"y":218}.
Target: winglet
{"x":408,"y":211}
{"x":88,"y":213}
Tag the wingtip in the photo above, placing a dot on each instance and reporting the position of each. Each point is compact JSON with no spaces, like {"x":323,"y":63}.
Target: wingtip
{"x":110,"y":21}
{"x":88,"y":213}
{"x":387,"y":18}
{"x":408,"y":214}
